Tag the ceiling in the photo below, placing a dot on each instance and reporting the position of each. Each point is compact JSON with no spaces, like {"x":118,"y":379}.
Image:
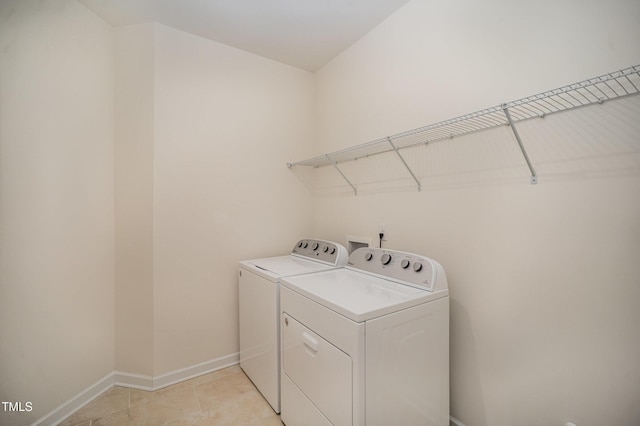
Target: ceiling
{"x":304,"y":33}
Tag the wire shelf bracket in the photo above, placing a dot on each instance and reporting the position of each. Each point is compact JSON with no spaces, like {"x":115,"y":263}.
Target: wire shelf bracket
{"x":405,"y":163}
{"x":335,"y":165}
{"x":534,"y":177}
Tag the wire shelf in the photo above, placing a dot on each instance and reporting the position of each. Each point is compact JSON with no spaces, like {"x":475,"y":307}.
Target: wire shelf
{"x":597,"y":90}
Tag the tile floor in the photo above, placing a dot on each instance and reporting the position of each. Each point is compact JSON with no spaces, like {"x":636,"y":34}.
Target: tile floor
{"x":224,"y":397}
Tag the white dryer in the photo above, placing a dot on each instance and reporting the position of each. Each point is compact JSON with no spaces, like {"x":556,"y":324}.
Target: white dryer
{"x":368,"y":343}
{"x":259,"y":300}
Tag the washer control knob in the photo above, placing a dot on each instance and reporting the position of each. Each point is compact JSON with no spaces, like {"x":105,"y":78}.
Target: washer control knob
{"x":417,"y":266}
{"x":368,"y":256}
{"x":300,"y":243}
{"x":385,"y":259}
{"x":315,"y":246}
{"x":325,"y":249}
{"x":305,"y":245}
{"x":333,"y":250}
{"x":405,"y":264}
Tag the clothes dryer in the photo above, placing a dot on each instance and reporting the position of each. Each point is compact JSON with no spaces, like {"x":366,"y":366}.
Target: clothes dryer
{"x":259,"y":300}
{"x":367,"y":344}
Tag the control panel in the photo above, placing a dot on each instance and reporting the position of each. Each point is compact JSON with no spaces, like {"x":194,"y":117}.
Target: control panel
{"x":411,"y":269}
{"x":326,"y":251}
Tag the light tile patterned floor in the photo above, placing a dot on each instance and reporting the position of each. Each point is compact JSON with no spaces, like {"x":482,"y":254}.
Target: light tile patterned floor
{"x":224,"y":397}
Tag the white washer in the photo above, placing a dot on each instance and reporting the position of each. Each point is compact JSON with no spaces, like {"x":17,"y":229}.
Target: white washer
{"x":259,"y":300}
{"x":367,"y":344}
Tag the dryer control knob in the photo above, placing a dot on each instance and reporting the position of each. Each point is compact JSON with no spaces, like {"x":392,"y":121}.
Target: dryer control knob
{"x":385,"y":259}
{"x":368,"y":256}
{"x":325,"y":249}
{"x":315,"y":246}
{"x":405,"y":264}
{"x":417,"y":266}
{"x":333,"y":250}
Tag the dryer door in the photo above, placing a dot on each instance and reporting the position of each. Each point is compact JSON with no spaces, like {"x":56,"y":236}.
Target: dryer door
{"x":320,"y":370}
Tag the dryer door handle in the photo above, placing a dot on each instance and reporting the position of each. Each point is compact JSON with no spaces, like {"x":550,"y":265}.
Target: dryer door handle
{"x":310,"y":341}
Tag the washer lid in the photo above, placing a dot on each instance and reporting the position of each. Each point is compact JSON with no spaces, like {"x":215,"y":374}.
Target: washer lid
{"x":275,"y":268}
{"x":357,"y":295}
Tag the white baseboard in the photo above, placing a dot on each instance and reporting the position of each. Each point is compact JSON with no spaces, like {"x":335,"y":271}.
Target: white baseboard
{"x":74,"y":404}
{"x":183,"y":374}
{"x":455,"y":422}
{"x":135,"y":381}
{"x":148,"y":383}
{"x":131,"y":380}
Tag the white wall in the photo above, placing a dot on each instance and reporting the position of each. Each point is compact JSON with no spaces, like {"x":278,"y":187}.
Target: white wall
{"x":56,"y":204}
{"x":134,"y":112}
{"x":188,"y":139}
{"x":204,"y":134}
{"x":226,"y":123}
{"x":437,"y":60}
{"x":543,"y":278}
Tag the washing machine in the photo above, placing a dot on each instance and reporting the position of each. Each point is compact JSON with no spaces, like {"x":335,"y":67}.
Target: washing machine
{"x":367,"y":344}
{"x":259,"y":300}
